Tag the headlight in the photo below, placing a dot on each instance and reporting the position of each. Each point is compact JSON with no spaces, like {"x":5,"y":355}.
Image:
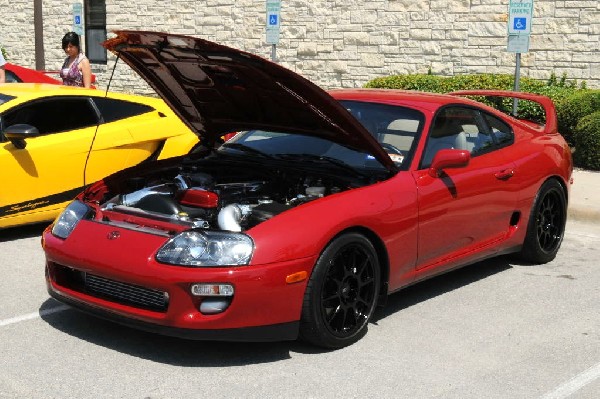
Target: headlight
{"x":207,"y":248}
{"x":68,"y":219}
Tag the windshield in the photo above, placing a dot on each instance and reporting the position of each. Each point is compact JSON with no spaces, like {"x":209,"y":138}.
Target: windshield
{"x":394,"y":127}
{"x":294,"y":146}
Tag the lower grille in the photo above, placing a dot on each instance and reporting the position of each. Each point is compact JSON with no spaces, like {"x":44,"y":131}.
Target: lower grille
{"x":127,"y":294}
{"x":111,"y":290}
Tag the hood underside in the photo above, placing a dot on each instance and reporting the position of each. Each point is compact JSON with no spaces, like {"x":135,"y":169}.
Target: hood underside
{"x":217,"y":90}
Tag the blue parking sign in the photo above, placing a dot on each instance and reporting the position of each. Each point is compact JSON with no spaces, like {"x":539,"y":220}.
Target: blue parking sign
{"x":520,"y":24}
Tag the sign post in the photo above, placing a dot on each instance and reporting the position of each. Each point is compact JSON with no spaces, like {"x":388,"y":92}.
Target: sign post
{"x":273,"y":25}
{"x":520,"y":15}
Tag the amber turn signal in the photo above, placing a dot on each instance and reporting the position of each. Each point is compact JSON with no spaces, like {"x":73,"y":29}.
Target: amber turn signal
{"x":296,"y":277}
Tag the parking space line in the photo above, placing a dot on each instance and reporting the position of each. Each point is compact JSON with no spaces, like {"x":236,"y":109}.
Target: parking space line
{"x":575,"y":383}
{"x":35,"y":315}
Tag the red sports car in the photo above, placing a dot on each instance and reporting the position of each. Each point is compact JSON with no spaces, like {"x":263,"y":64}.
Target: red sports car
{"x":321,"y":205}
{"x":19,"y":74}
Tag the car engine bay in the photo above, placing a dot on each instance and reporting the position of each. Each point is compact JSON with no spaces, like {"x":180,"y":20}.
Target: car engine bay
{"x":232,"y":195}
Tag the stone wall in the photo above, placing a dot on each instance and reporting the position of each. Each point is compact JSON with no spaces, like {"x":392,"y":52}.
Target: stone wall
{"x":333,"y":44}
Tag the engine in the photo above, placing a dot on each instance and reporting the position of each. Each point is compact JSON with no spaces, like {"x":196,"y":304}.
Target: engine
{"x":236,"y":199}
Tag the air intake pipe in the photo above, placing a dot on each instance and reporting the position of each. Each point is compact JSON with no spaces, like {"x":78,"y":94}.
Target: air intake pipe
{"x":229,"y":218}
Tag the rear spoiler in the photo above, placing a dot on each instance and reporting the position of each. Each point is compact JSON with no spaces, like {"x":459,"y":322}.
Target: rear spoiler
{"x":551,"y":126}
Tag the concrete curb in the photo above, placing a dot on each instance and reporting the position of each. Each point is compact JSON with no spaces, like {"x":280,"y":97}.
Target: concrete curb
{"x":584,"y":202}
{"x":583,"y":215}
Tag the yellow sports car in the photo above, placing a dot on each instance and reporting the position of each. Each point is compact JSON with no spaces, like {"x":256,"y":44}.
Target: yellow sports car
{"x":55,"y":140}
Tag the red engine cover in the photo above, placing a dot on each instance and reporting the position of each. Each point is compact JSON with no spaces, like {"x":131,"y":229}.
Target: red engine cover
{"x":199,"y":198}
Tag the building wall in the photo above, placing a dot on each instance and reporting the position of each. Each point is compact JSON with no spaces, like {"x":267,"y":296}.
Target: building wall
{"x":332,"y":44}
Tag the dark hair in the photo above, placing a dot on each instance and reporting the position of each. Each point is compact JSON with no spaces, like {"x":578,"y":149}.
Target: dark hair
{"x":71,"y":38}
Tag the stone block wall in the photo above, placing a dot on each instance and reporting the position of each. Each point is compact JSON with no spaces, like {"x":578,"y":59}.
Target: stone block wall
{"x":339,"y":43}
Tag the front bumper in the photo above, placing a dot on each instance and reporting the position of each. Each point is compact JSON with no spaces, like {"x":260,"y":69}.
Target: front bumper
{"x":264,"y":306}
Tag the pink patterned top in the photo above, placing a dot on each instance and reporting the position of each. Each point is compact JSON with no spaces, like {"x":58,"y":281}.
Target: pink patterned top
{"x":72,"y":76}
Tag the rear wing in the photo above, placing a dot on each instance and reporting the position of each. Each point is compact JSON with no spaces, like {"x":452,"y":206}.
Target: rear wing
{"x":551,"y":125}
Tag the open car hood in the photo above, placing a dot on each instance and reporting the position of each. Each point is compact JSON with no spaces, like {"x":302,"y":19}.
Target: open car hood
{"x":217,"y":90}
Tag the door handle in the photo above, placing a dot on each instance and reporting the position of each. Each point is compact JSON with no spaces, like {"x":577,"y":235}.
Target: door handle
{"x":504,"y":174}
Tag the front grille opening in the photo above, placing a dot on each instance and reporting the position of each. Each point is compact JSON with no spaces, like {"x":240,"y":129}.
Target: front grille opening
{"x":111,"y":290}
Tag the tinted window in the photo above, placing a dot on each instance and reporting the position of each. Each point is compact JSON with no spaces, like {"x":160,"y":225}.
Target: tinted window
{"x":113,"y":110}
{"x":5,"y":98}
{"x":54,"y":115}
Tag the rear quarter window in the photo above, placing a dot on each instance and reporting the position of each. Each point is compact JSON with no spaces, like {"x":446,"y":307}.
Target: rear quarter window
{"x":113,"y":110}
{"x":5,"y":98}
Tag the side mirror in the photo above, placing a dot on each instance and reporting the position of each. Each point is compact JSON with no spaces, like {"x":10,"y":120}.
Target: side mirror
{"x":19,"y":132}
{"x":445,"y":159}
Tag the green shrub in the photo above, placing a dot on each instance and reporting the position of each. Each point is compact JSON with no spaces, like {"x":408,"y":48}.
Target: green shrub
{"x":587,"y":142}
{"x":572,"y":108}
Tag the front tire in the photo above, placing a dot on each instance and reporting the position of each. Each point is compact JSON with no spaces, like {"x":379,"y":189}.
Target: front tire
{"x":341,"y":294}
{"x":546,"y":227}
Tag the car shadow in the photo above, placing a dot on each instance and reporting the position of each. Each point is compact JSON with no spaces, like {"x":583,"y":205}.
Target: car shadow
{"x":165,"y":349}
{"x":28,"y":231}
{"x":189,"y":353}
{"x":440,"y":285}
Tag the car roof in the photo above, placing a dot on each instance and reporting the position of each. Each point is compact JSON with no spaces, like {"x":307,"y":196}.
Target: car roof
{"x":415,"y":99}
{"x":30,"y":91}
{"x":35,"y":89}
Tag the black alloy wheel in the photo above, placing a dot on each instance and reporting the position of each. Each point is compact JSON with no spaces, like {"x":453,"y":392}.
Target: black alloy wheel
{"x":546,"y":227}
{"x":342,"y":293}
{"x":549,"y":222}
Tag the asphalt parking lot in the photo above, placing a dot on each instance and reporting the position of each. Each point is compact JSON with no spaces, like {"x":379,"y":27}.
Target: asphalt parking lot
{"x":497,"y":329}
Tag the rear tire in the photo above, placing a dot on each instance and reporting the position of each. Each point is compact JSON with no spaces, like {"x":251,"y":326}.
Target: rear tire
{"x":546,"y":227}
{"x":341,"y":294}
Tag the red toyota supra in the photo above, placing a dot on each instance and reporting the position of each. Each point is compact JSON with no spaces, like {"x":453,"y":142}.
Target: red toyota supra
{"x":321,"y":206}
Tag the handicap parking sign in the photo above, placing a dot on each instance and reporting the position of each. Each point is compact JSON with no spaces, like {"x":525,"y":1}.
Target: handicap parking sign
{"x":520,"y":24}
{"x":520,"y":15}
{"x":273,"y":19}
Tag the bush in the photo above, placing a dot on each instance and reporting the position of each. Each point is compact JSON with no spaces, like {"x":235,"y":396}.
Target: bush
{"x":573,"y":108}
{"x":439,"y":84}
{"x":587,"y":142}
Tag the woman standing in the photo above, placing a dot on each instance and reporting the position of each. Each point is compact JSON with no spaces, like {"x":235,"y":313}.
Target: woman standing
{"x":76,"y":70}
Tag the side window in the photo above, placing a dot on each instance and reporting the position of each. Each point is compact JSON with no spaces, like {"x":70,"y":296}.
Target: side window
{"x":455,"y":128}
{"x":501,"y":131}
{"x":54,"y":115}
{"x":114,"y":110}
{"x":95,"y":30}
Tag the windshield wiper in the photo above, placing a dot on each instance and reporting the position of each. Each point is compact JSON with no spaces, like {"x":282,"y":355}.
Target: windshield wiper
{"x":339,"y":164}
{"x":247,"y":149}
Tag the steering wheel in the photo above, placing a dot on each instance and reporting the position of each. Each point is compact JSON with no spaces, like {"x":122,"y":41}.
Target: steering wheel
{"x":390,"y":149}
